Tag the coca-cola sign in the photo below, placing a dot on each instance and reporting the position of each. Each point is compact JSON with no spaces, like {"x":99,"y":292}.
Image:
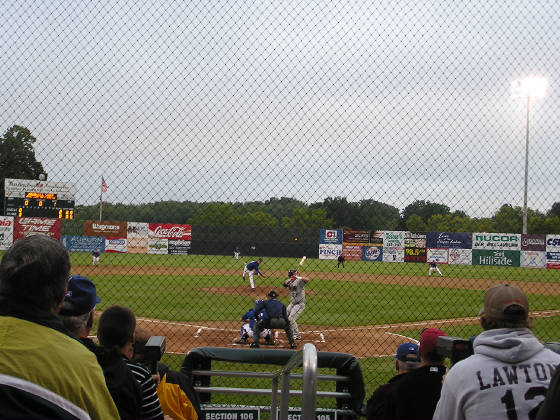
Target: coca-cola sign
{"x":169,"y":231}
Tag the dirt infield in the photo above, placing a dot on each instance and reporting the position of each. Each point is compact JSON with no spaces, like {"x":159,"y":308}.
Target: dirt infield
{"x":362,"y":341}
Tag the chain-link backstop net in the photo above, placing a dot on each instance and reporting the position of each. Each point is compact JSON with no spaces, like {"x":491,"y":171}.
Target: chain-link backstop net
{"x":184,"y":140}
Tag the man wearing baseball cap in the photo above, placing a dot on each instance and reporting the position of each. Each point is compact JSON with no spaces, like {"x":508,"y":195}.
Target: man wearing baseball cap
{"x":380,"y":404}
{"x":78,"y":306}
{"x":510,"y":370}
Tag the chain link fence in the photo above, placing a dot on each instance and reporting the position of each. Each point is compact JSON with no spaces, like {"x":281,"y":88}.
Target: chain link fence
{"x":263,"y":127}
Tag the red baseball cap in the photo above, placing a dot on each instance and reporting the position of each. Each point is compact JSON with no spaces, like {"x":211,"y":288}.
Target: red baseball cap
{"x":428,"y":340}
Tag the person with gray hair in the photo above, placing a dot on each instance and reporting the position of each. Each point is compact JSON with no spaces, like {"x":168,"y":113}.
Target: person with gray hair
{"x":77,"y":313}
{"x":34,"y":345}
{"x":379,"y":405}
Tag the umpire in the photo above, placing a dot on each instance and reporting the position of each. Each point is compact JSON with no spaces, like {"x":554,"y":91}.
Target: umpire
{"x":276,"y":317}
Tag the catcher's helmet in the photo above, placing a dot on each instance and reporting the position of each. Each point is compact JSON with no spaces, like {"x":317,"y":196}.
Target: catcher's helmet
{"x":291,"y":273}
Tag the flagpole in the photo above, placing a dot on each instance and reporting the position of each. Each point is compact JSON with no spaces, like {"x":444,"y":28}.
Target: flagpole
{"x":101,"y":201}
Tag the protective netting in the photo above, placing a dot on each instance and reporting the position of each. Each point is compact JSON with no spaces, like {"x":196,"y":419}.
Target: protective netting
{"x":283,"y":129}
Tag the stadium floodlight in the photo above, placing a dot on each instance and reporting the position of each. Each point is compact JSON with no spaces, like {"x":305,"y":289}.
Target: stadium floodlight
{"x":528,"y":88}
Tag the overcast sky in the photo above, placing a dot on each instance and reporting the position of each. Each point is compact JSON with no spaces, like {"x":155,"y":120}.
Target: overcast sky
{"x":394,"y":101}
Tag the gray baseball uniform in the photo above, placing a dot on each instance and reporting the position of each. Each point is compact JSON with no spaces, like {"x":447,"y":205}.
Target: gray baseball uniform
{"x":297,"y":304}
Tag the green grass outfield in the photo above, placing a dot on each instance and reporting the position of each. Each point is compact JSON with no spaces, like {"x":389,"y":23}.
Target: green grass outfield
{"x":330,"y":302}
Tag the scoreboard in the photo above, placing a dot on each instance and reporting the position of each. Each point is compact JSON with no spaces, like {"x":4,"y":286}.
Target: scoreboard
{"x":33,"y":198}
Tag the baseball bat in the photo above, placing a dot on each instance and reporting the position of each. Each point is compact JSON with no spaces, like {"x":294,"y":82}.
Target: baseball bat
{"x":302,"y":260}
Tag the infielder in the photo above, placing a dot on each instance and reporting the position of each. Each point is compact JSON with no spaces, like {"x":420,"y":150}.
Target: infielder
{"x":236,"y":253}
{"x":251,"y":269}
{"x":296,"y":284}
{"x":434,"y":267}
{"x":95,"y":257}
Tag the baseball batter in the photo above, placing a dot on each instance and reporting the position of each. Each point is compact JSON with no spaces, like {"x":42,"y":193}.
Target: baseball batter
{"x":296,"y":284}
{"x":251,"y":269}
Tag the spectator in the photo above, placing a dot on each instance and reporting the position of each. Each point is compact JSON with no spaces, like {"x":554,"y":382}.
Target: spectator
{"x":177,"y":397}
{"x":417,"y":392}
{"x":77,"y":314}
{"x":550,"y":408}
{"x":383,"y":401}
{"x":116,"y":330}
{"x":509,"y":372}
{"x":34,"y":345}
{"x":276,"y":317}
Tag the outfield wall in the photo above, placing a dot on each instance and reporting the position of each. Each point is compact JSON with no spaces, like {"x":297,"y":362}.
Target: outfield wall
{"x":479,"y":248}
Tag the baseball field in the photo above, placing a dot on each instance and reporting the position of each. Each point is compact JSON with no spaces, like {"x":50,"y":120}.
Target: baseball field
{"x":365,"y":309}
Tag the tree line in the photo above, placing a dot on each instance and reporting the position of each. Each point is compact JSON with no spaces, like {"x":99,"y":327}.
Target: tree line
{"x":332,"y":213}
{"x":17,"y":160}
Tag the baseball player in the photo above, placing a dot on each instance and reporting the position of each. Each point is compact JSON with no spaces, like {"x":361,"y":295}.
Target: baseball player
{"x":251,"y":269}
{"x":236,"y":252}
{"x":95,"y":257}
{"x":296,"y":284}
{"x":434,"y":267}
{"x":249,"y":320}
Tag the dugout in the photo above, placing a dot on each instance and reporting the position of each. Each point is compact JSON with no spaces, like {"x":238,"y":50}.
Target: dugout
{"x":349,"y":382}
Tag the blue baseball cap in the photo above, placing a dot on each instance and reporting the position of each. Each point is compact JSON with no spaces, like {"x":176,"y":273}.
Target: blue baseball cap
{"x":81,"y":296}
{"x":407,"y":352}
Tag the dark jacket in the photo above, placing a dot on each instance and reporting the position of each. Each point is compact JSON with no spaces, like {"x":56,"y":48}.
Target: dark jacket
{"x":122,"y":384}
{"x":550,"y":408}
{"x":413,"y":395}
{"x":381,"y":404}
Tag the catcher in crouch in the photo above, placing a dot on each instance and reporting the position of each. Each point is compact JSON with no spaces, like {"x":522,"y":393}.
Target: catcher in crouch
{"x":296,"y":284}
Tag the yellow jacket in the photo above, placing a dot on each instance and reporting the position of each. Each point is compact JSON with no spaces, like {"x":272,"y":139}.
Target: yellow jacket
{"x":55,"y":361}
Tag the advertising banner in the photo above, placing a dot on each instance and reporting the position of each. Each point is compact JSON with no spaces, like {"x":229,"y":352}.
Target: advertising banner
{"x":330,"y":236}
{"x":158,"y":246}
{"x":115,"y":245}
{"x":105,"y":228}
{"x":179,"y":246}
{"x":355,"y":236}
{"x":496,"y":257}
{"x":169,"y":231}
{"x":460,"y":256}
{"x":449,"y":240}
{"x":439,"y":255}
{"x":136,"y":230}
{"x":533,"y":259}
{"x":372,"y":253}
{"x":376,"y":238}
{"x":393,"y":238}
{"x":6,"y":231}
{"x":26,"y":226}
{"x":412,"y":254}
{"x":553,"y":260}
{"x":533,"y":242}
{"x":415,"y":239}
{"x":352,"y":252}
{"x":393,"y":254}
{"x":137,"y":245}
{"x":553,"y":243}
{"x":329,"y":251}
{"x":83,"y":243}
{"x":499,"y":241}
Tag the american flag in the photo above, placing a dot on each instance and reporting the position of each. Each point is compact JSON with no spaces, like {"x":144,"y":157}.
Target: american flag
{"x":103,"y":185}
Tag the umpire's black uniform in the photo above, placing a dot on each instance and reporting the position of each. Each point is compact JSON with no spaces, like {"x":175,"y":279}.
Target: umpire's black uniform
{"x":276,"y":318}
